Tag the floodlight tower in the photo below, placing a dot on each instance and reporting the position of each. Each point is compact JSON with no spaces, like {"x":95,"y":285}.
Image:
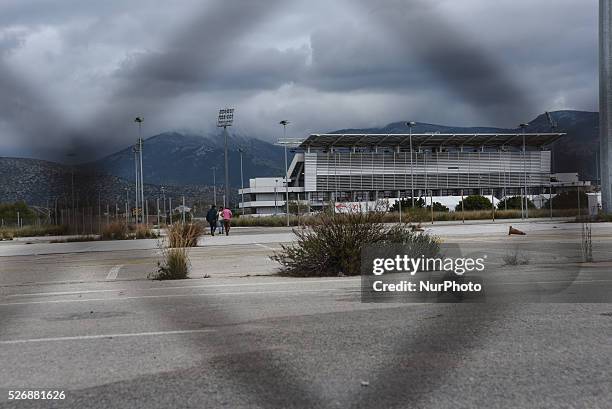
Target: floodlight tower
{"x":605,"y":101}
{"x":225,"y":119}
{"x":139,"y":120}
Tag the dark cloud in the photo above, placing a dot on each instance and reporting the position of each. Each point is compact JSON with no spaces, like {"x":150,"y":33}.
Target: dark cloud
{"x":74,"y":74}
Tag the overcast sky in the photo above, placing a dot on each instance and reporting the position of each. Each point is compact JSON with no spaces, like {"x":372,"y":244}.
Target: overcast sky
{"x":74,"y":74}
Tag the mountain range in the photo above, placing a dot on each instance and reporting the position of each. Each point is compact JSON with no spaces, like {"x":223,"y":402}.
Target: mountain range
{"x":184,"y":162}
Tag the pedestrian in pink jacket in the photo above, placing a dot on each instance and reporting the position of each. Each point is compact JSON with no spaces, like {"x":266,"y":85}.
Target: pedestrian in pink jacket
{"x":227,"y":217}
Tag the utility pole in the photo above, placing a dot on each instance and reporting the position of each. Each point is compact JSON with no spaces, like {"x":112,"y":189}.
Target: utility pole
{"x":225,"y":119}
{"x":284,"y":123}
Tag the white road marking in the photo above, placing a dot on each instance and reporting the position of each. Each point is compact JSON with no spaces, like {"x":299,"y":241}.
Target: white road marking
{"x":167,"y":296}
{"x":266,"y":247}
{"x":85,"y":337}
{"x":112,"y":274}
{"x":345,"y":280}
{"x":64,"y":293}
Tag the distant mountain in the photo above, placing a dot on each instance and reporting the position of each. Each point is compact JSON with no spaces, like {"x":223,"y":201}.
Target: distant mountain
{"x":174,"y":158}
{"x":183,"y":162}
{"x":576,"y":152}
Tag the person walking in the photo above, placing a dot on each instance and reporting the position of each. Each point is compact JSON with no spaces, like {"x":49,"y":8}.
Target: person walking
{"x":227,"y":217}
{"x":212,"y":217}
{"x":220,"y":220}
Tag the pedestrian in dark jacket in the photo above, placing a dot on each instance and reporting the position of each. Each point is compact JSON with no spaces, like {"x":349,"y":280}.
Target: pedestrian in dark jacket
{"x":211,"y":217}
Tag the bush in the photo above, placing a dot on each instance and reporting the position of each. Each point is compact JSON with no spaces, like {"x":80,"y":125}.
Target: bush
{"x":439,"y":207}
{"x":568,"y":200}
{"x":475,"y":202}
{"x":184,"y":235}
{"x":175,"y":263}
{"x":144,"y":232}
{"x":114,"y":231}
{"x":8,"y":212}
{"x":419,"y":203}
{"x":514,"y":203}
{"x":333,"y":246}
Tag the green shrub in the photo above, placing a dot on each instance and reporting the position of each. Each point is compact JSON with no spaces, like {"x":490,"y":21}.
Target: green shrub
{"x":333,"y":246}
{"x":438,"y":207}
{"x":475,"y":202}
{"x":513,"y":203}
{"x":568,"y":200}
{"x":419,"y":203}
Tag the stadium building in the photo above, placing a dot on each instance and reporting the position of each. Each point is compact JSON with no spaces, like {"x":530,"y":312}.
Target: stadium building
{"x":332,"y":168}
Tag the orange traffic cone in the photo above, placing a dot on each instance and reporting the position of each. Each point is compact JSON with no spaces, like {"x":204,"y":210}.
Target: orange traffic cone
{"x":515,"y":231}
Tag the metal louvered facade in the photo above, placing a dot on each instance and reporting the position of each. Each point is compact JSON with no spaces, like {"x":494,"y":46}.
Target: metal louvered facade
{"x":374,"y":171}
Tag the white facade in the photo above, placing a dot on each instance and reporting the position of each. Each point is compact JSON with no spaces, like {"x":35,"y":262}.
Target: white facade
{"x":266,"y":196}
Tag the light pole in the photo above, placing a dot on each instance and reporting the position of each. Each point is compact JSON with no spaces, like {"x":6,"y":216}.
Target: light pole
{"x":275,"y":206}
{"x":163,"y":190}
{"x":284,"y":123}
{"x":241,"y":150}
{"x":410,"y":125}
{"x":524,"y":127}
{"x":225,"y":119}
{"x":127,"y":205}
{"x":214,"y":169}
{"x":139,"y":120}
{"x":72,"y":155}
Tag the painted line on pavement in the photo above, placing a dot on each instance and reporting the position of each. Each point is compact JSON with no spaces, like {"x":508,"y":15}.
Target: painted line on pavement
{"x":182,"y":287}
{"x":112,"y":274}
{"x":166,"y":296}
{"x":65,"y":293}
{"x":264,"y":246}
{"x":85,"y":337}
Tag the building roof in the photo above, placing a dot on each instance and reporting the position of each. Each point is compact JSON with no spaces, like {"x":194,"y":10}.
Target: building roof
{"x":326,"y":141}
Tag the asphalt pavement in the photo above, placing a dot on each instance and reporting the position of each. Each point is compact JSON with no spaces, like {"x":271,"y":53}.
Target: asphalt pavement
{"x":82,"y":318}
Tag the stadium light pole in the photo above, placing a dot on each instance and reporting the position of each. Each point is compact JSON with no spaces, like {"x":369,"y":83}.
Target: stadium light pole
{"x":410,"y":124}
{"x":524,"y":128}
{"x":214,"y":169}
{"x":139,"y":120}
{"x":225,"y":119}
{"x":284,"y":123}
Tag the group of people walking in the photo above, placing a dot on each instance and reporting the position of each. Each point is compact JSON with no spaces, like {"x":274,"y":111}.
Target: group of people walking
{"x":219,"y":219}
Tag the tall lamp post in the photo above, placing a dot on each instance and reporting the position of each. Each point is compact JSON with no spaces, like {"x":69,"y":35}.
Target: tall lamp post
{"x":284,"y":123}
{"x":410,"y":124}
{"x":241,"y":150}
{"x":524,"y":128}
{"x":139,"y":120}
{"x":225,"y":119}
{"x":214,"y":169}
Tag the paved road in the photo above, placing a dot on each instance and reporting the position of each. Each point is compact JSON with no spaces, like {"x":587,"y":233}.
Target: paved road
{"x":88,"y":323}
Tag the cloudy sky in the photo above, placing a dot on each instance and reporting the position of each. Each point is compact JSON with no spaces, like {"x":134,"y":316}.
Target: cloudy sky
{"x":74,"y":73}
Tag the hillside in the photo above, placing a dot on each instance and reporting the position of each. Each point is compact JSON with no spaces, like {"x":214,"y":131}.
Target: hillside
{"x":174,"y":158}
